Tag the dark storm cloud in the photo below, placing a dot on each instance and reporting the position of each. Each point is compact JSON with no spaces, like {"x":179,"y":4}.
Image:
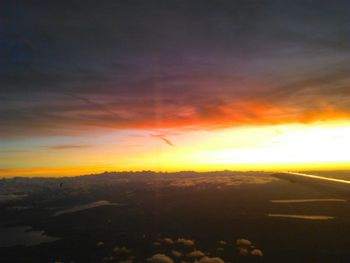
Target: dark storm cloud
{"x":71,"y":66}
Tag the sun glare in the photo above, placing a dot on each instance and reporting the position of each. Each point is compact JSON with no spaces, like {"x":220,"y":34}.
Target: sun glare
{"x":283,"y":145}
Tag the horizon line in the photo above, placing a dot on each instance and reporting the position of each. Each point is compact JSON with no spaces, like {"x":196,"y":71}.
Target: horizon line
{"x":170,"y":172}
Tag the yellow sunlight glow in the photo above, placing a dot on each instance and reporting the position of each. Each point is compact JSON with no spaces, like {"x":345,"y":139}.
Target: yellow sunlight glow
{"x":275,"y":147}
{"x":324,"y":145}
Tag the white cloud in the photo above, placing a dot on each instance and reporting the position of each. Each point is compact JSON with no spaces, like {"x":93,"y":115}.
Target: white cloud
{"x":243,"y":242}
{"x":167,"y":241}
{"x":185,"y":242}
{"x":221,"y":180}
{"x":243,"y":251}
{"x":176,"y":253}
{"x":257,"y":252}
{"x":160,"y":258}
{"x":78,"y":208}
{"x":196,"y":254}
{"x":210,"y":260}
{"x":245,"y":248}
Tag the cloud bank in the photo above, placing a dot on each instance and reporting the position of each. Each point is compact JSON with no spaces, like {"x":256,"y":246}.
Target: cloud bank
{"x":73,"y":68}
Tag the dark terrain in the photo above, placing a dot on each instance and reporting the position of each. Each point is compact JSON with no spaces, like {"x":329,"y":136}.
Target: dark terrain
{"x":147,"y":207}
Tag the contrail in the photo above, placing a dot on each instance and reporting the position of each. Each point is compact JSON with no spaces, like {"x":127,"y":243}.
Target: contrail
{"x":88,"y":101}
{"x":163,"y":138}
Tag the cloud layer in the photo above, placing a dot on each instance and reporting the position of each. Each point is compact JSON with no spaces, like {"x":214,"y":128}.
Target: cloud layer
{"x":71,"y":68}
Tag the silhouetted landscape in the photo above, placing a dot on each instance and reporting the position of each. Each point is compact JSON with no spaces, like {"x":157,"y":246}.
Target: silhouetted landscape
{"x":111,"y":217}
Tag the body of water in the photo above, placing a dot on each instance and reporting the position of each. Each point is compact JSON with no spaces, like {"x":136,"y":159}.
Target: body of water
{"x":22,"y":235}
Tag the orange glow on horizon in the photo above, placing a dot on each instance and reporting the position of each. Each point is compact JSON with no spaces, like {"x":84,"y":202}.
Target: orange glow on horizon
{"x":323,"y":145}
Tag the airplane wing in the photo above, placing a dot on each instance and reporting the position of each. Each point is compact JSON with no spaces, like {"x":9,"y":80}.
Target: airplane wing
{"x":326,"y":183}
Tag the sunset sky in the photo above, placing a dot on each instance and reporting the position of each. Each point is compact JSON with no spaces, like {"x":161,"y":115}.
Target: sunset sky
{"x":89,"y":86}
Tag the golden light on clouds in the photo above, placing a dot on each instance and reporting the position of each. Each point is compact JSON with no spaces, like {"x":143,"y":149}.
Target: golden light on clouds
{"x":323,"y":145}
{"x":268,"y":147}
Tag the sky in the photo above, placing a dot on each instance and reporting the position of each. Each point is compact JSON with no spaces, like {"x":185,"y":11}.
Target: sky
{"x":89,"y":86}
